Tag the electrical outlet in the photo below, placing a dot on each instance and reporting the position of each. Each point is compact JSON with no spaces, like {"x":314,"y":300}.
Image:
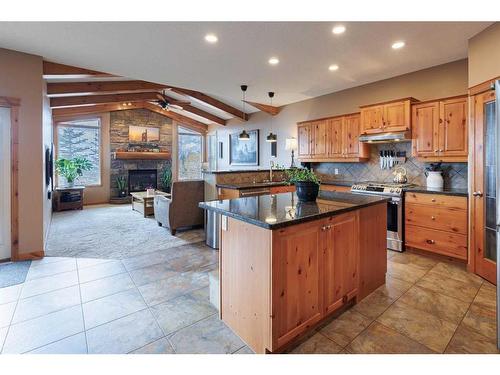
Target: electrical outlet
{"x":336,"y":171}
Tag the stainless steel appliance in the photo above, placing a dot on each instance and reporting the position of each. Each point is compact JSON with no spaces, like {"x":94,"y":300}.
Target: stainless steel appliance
{"x":395,"y":209}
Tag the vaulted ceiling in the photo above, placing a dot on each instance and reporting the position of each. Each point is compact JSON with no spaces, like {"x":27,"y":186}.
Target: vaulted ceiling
{"x":175,"y":54}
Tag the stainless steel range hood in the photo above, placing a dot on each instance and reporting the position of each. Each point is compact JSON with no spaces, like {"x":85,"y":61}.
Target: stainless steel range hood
{"x":386,"y":137}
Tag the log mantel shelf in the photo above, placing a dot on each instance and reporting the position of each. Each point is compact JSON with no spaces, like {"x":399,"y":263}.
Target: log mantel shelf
{"x":141,"y":155}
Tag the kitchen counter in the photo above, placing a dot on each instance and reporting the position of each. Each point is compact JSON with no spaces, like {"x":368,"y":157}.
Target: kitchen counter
{"x":445,"y":191}
{"x":286,"y":266}
{"x":282,"y":210}
{"x":250,"y":185}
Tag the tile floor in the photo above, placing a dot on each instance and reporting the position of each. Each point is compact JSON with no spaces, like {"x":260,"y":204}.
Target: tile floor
{"x":152,"y":303}
{"x":158,"y":303}
{"x":425,"y":306}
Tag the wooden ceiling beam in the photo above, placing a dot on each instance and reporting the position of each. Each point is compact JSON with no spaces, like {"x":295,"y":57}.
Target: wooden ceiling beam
{"x":58,"y":88}
{"x":55,"y":70}
{"x":93,"y":109}
{"x":272,"y":110}
{"x":72,"y":101}
{"x":212,"y":101}
{"x":184,"y":120}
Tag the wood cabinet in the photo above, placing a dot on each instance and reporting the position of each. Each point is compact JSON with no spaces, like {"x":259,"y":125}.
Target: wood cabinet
{"x":337,"y":188}
{"x":340,"y":257}
{"x":387,"y":117}
{"x":436,"y":223}
{"x":297,"y":280}
{"x":304,"y":140}
{"x":315,"y":272}
{"x":440,"y":130}
{"x":332,"y":140}
{"x":299,"y":275}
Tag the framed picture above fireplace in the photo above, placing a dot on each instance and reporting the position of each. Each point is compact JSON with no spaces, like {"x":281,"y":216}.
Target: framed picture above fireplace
{"x":244,"y":152}
{"x":143,"y":134}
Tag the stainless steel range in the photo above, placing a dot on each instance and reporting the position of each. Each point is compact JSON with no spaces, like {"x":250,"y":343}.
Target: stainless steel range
{"x":395,"y":208}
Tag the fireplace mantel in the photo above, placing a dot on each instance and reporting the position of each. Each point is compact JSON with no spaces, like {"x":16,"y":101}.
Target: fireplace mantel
{"x":138,"y":155}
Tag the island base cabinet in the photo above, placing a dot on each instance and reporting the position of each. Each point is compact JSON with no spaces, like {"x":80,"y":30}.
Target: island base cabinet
{"x":282,"y":283}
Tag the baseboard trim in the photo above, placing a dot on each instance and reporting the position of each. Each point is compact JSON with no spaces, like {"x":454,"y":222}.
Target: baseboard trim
{"x":29,"y":256}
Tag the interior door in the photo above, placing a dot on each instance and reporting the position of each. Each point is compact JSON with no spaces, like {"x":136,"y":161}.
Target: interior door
{"x":5,"y":183}
{"x":484,"y":187}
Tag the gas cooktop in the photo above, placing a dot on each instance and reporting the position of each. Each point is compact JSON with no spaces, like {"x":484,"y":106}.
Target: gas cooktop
{"x":380,"y":188}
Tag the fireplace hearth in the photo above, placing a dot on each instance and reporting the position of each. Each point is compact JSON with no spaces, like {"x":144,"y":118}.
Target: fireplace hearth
{"x":142,"y":179}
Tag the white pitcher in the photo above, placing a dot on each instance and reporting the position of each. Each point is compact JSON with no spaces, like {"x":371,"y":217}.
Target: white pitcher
{"x":434,"y":179}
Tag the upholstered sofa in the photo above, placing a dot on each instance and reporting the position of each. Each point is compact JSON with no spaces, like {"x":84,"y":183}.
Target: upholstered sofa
{"x":181,"y":210}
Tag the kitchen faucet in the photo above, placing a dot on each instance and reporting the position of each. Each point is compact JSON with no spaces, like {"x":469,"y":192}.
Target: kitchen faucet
{"x":271,"y":163}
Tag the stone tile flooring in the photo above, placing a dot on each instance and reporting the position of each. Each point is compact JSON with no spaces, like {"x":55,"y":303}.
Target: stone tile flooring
{"x":152,"y":303}
{"x":425,"y":306}
{"x":158,"y":303}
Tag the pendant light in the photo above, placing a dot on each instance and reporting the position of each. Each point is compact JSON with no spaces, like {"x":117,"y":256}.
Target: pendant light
{"x":271,"y":137}
{"x":244,"y":136}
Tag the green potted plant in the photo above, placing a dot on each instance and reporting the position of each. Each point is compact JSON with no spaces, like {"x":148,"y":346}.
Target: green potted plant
{"x":166,"y":179}
{"x":121,"y":183}
{"x":306,"y":183}
{"x":72,"y":169}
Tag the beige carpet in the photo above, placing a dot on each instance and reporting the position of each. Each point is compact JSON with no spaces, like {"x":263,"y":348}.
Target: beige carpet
{"x":111,"y":231}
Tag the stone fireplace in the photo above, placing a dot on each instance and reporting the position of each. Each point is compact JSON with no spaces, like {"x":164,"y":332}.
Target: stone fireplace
{"x":142,"y":179}
{"x":143,"y":172}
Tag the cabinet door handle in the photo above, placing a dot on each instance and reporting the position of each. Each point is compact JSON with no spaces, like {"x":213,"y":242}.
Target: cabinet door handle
{"x":323,"y":228}
{"x":433,"y":218}
{"x":433,"y":199}
{"x":477,"y":193}
{"x":430,"y":242}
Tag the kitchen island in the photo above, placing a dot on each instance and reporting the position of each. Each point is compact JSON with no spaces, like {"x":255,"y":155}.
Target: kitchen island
{"x":286,"y":266}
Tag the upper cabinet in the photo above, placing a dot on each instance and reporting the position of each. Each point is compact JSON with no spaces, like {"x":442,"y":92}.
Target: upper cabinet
{"x":332,"y":140}
{"x":387,"y":117}
{"x":440,"y":130}
{"x":304,"y":140}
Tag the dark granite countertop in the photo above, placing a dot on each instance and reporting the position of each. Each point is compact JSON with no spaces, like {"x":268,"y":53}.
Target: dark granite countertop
{"x":282,"y":210}
{"x":250,"y":185}
{"x":339,"y":183}
{"x":445,"y":191}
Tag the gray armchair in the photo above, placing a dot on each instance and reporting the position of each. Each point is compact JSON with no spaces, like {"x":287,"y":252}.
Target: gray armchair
{"x":181,"y":210}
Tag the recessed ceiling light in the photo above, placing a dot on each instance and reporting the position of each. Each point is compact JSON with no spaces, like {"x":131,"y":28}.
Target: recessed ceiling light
{"x":397,"y":45}
{"x":333,"y":67}
{"x":339,"y":29}
{"x":211,"y":38}
{"x":274,"y":61}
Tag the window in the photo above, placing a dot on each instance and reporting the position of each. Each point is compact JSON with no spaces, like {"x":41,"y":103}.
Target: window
{"x":81,"y":138}
{"x":190,"y":154}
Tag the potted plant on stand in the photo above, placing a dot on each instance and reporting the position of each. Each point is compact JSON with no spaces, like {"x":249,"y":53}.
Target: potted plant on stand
{"x":121,"y":183}
{"x":306,"y":183}
{"x":72,"y":169}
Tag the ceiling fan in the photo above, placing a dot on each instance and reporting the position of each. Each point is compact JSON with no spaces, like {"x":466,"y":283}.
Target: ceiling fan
{"x":166,"y":103}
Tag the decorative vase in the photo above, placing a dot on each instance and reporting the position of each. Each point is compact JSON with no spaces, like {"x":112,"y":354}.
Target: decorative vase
{"x":307,"y":191}
{"x":434,"y":179}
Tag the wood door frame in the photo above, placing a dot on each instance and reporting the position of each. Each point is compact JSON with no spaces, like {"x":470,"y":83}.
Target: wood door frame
{"x":13,"y":104}
{"x":476,"y":155}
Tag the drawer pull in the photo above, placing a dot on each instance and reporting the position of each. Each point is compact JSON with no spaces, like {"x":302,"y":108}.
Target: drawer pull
{"x":430,"y":242}
{"x":433,"y":218}
{"x":433,"y":199}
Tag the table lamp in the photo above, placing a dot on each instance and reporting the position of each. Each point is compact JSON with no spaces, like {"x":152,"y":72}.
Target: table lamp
{"x":291,"y":145}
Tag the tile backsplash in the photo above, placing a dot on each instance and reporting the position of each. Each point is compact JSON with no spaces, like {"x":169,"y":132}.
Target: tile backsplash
{"x":455,"y":174}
